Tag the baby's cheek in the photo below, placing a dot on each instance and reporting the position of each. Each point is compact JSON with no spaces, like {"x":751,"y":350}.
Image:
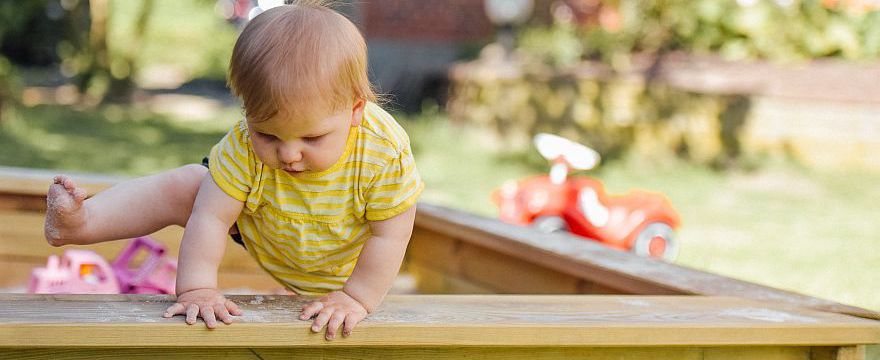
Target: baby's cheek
{"x":264,"y":154}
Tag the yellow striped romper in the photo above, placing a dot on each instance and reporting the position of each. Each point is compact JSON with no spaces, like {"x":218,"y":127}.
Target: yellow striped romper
{"x":308,"y":231}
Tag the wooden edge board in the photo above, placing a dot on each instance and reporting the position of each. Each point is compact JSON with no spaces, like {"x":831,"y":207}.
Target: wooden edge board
{"x":24,"y":181}
{"x":572,"y":255}
{"x":557,"y":251}
{"x":434,"y":320}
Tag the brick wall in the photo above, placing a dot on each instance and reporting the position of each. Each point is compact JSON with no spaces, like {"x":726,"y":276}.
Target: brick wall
{"x":447,"y":20}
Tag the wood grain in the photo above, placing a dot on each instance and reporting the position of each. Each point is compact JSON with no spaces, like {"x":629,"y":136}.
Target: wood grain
{"x":430,"y":281}
{"x":536,"y":262}
{"x":421,"y":320}
{"x":465,"y":265}
{"x":15,"y":274}
{"x":597,"y":264}
{"x":24,"y":238}
{"x":26,"y":181}
{"x":433,"y":353}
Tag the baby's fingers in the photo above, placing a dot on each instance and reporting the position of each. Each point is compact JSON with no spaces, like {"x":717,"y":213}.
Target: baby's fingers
{"x":350,"y":321}
{"x":222,"y":314}
{"x":176,"y":309}
{"x":311,"y":309}
{"x":233,"y":308}
{"x":207,"y":313}
{"x":322,"y":319}
{"x":192,"y":313}
{"x":335,"y":321}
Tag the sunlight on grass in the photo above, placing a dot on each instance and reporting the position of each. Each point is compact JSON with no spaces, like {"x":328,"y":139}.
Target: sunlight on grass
{"x":175,"y":25}
{"x":813,"y":232}
{"x":112,"y":139}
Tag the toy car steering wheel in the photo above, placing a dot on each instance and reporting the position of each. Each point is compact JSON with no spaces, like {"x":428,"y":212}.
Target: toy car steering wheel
{"x":577,"y":156}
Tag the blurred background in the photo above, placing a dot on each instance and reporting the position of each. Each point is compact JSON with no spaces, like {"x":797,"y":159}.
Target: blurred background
{"x":759,"y":119}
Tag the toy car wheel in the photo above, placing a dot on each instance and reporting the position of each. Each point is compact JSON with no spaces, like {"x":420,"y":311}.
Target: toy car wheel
{"x":550,"y":224}
{"x":656,"y":240}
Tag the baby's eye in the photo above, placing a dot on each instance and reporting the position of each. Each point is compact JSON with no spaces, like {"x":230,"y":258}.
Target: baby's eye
{"x":267,"y":136}
{"x":312,"y":139}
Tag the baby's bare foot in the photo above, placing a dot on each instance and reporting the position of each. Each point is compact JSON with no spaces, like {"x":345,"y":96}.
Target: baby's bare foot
{"x":65,"y":214}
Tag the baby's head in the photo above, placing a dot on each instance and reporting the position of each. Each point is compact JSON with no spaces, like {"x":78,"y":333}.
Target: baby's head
{"x":301,"y":72}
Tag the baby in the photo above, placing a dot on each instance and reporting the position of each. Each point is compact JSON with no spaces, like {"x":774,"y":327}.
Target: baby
{"x":318,"y":183}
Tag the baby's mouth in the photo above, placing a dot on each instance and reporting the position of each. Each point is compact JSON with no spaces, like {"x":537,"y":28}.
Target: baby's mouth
{"x":293,"y":171}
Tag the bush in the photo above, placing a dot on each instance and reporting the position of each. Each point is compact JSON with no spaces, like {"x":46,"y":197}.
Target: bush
{"x":780,"y":30}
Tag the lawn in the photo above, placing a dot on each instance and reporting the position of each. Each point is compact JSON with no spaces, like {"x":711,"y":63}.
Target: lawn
{"x":789,"y":227}
{"x":810,"y":231}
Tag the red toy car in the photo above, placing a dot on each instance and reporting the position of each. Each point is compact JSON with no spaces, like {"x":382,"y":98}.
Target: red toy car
{"x":639,"y":221}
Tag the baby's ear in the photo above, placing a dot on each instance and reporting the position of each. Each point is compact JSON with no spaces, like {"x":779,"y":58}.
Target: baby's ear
{"x":357,"y":112}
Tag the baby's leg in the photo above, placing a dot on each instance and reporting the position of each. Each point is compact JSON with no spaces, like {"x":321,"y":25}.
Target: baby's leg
{"x":129,"y":209}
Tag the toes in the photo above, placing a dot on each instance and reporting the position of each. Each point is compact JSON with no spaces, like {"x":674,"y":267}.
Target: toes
{"x":79,"y":195}
{"x":64,"y":215}
{"x":69,"y":184}
{"x":61,"y":189}
{"x":56,"y":199}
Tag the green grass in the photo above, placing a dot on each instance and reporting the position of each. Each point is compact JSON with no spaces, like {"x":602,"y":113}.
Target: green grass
{"x":187,"y":34}
{"x":113,"y":139}
{"x":809,"y":231}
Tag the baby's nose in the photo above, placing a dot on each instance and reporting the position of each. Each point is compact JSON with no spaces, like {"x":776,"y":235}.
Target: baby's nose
{"x":289,"y":154}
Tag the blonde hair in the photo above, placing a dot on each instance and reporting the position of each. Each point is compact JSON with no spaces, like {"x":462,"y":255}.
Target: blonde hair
{"x":303,"y":59}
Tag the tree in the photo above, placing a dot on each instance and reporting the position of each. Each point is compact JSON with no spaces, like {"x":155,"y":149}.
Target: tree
{"x":109,"y":74}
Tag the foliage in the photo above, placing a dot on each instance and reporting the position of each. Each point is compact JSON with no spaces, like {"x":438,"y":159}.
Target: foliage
{"x":14,"y":21}
{"x":30,"y":30}
{"x":185,"y":34}
{"x":781,"y":30}
{"x":105,"y":56}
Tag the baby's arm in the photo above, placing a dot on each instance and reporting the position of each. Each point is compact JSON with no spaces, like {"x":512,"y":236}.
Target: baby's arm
{"x":380,"y":259}
{"x":376,"y":268}
{"x":202,"y":248}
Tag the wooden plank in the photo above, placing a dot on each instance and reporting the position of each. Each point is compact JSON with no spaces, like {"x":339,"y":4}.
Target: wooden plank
{"x":441,"y":321}
{"x":857,"y":352}
{"x":513,"y":276}
{"x":434,"y":249}
{"x":56,"y":353}
{"x":22,"y":202}
{"x":851,"y":352}
{"x":24,"y":181}
{"x":23,"y":248}
{"x":528,"y":353}
{"x":432,"y":353}
{"x":25,"y":189}
{"x":600,"y":268}
{"x":595,"y":263}
{"x":24,"y":238}
{"x":15,"y":274}
{"x":740,"y":353}
{"x":483,"y":268}
{"x":430,"y":281}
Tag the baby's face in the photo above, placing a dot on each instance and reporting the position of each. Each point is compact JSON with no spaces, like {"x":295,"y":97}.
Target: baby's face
{"x":300,"y":146}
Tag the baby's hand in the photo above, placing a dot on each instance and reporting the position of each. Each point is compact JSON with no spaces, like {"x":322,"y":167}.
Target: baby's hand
{"x":207,"y":303}
{"x":333,"y":310}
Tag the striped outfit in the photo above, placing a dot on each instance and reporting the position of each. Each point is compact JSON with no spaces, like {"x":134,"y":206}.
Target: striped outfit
{"x":308,"y":231}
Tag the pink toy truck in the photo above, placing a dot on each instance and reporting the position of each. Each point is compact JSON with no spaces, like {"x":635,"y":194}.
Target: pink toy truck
{"x":156,"y":273}
{"x":77,"y":272}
